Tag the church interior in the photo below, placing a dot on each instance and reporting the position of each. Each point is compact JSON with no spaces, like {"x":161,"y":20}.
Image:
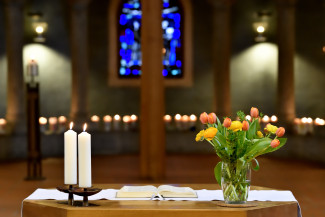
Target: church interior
{"x":137,"y":76}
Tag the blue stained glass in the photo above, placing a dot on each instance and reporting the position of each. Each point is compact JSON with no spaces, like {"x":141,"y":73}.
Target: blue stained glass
{"x":177,"y":34}
{"x":130,"y":39}
{"x":122,"y":71}
{"x":124,"y":45}
{"x":127,"y":71}
{"x":179,"y":63}
{"x":165,"y":5}
{"x":123,"y":19}
{"x":174,"y":72}
{"x":165,"y":72}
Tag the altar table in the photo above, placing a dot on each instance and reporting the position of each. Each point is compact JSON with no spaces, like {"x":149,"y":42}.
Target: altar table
{"x":123,"y":208}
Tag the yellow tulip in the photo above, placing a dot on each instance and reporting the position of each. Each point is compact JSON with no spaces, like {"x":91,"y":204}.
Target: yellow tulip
{"x":210,"y":133}
{"x":199,"y":136}
{"x":259,"y":134}
{"x":235,"y":126}
{"x":271,"y":128}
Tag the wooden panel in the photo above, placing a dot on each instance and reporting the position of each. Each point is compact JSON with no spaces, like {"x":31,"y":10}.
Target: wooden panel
{"x":152,"y":134}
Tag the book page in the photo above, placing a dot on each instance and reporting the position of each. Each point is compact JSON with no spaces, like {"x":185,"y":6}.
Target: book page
{"x":172,"y":191}
{"x":145,"y":188}
{"x":137,"y":191}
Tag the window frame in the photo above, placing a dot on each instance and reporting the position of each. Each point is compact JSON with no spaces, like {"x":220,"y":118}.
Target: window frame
{"x":115,"y":81}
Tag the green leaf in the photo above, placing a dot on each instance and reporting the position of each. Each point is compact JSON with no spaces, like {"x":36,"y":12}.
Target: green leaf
{"x":257,"y":167}
{"x":252,"y":129}
{"x":282,"y":143}
{"x":217,"y":172}
{"x":219,"y":125}
{"x":258,"y":148}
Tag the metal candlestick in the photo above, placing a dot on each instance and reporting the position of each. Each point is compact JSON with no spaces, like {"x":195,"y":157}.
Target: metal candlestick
{"x":85,"y":193}
{"x":67,"y":190}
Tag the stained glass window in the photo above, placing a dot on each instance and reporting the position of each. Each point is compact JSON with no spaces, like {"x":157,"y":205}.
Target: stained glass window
{"x":130,"y":36}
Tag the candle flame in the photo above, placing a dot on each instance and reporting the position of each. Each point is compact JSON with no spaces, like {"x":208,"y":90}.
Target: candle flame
{"x":62,"y":119}
{"x":134,"y":118}
{"x":274,"y":118}
{"x":126,"y":119}
{"x":178,"y":117}
{"x":193,"y":117}
{"x":3,"y":121}
{"x":71,"y":125}
{"x":85,"y":127}
{"x":167,"y":118}
{"x":185,"y":118}
{"x":117,"y":117}
{"x":42,"y":120}
{"x":266,"y":118}
{"x":94,"y":118}
{"x":107,"y":118}
{"x":319,"y":122}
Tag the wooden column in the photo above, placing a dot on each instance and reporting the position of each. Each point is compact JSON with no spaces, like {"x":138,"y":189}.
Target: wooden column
{"x":286,"y":45}
{"x":79,"y":54}
{"x":14,"y":48}
{"x":152,"y":134}
{"x":221,"y":60}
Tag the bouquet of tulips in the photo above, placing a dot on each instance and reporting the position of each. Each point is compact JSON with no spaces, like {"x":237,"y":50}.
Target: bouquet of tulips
{"x":238,"y":143}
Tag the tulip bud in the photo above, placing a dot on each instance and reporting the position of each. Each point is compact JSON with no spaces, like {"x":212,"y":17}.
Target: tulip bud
{"x":254,"y":112}
{"x":280,"y":132}
{"x":212,"y":118}
{"x":245,"y":125}
{"x":204,"y":118}
{"x":275,"y":143}
{"x":227,"y":122}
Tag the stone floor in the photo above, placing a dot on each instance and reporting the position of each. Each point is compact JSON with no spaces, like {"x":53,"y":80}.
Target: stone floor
{"x":306,"y":180}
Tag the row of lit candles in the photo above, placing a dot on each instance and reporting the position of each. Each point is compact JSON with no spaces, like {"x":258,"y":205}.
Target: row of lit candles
{"x":181,"y":122}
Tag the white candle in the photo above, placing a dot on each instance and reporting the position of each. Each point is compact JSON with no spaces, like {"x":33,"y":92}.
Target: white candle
{"x":134,"y":120}
{"x":193,"y":120}
{"x":168,"y":121}
{"x":107,"y":122}
{"x":126,"y":122}
{"x":43,"y":122}
{"x":95,"y":122}
{"x":70,"y":157}
{"x":53,"y":124}
{"x":3,"y":123}
{"x":32,"y":68}
{"x":177,"y":119}
{"x":185,"y":120}
{"x":62,"y":124}
{"x":84,"y":147}
{"x":116,"y":122}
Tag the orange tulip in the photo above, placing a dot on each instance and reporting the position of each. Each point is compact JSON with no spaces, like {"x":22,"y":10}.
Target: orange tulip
{"x":275,"y":143}
{"x":227,"y":122}
{"x":280,"y":132}
{"x":204,"y":118}
{"x":254,"y":112}
{"x":245,"y":125}
{"x":212,"y":118}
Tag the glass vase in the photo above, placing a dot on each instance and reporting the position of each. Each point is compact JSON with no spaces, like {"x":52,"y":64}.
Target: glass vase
{"x":235,"y":181}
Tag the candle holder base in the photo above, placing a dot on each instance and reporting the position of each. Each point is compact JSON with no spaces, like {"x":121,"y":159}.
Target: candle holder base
{"x":67,"y":189}
{"x":85,"y":193}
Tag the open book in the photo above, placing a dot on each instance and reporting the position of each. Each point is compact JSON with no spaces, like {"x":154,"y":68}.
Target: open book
{"x":152,"y":191}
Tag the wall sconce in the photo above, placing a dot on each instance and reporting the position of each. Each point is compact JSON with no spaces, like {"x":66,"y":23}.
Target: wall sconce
{"x":40,"y":28}
{"x":260,"y":28}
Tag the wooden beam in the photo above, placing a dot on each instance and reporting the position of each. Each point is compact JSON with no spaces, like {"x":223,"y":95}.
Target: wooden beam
{"x":152,"y":134}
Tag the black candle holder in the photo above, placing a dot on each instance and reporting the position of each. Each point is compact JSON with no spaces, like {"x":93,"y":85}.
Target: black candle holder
{"x":85,"y":193}
{"x":67,"y":189}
